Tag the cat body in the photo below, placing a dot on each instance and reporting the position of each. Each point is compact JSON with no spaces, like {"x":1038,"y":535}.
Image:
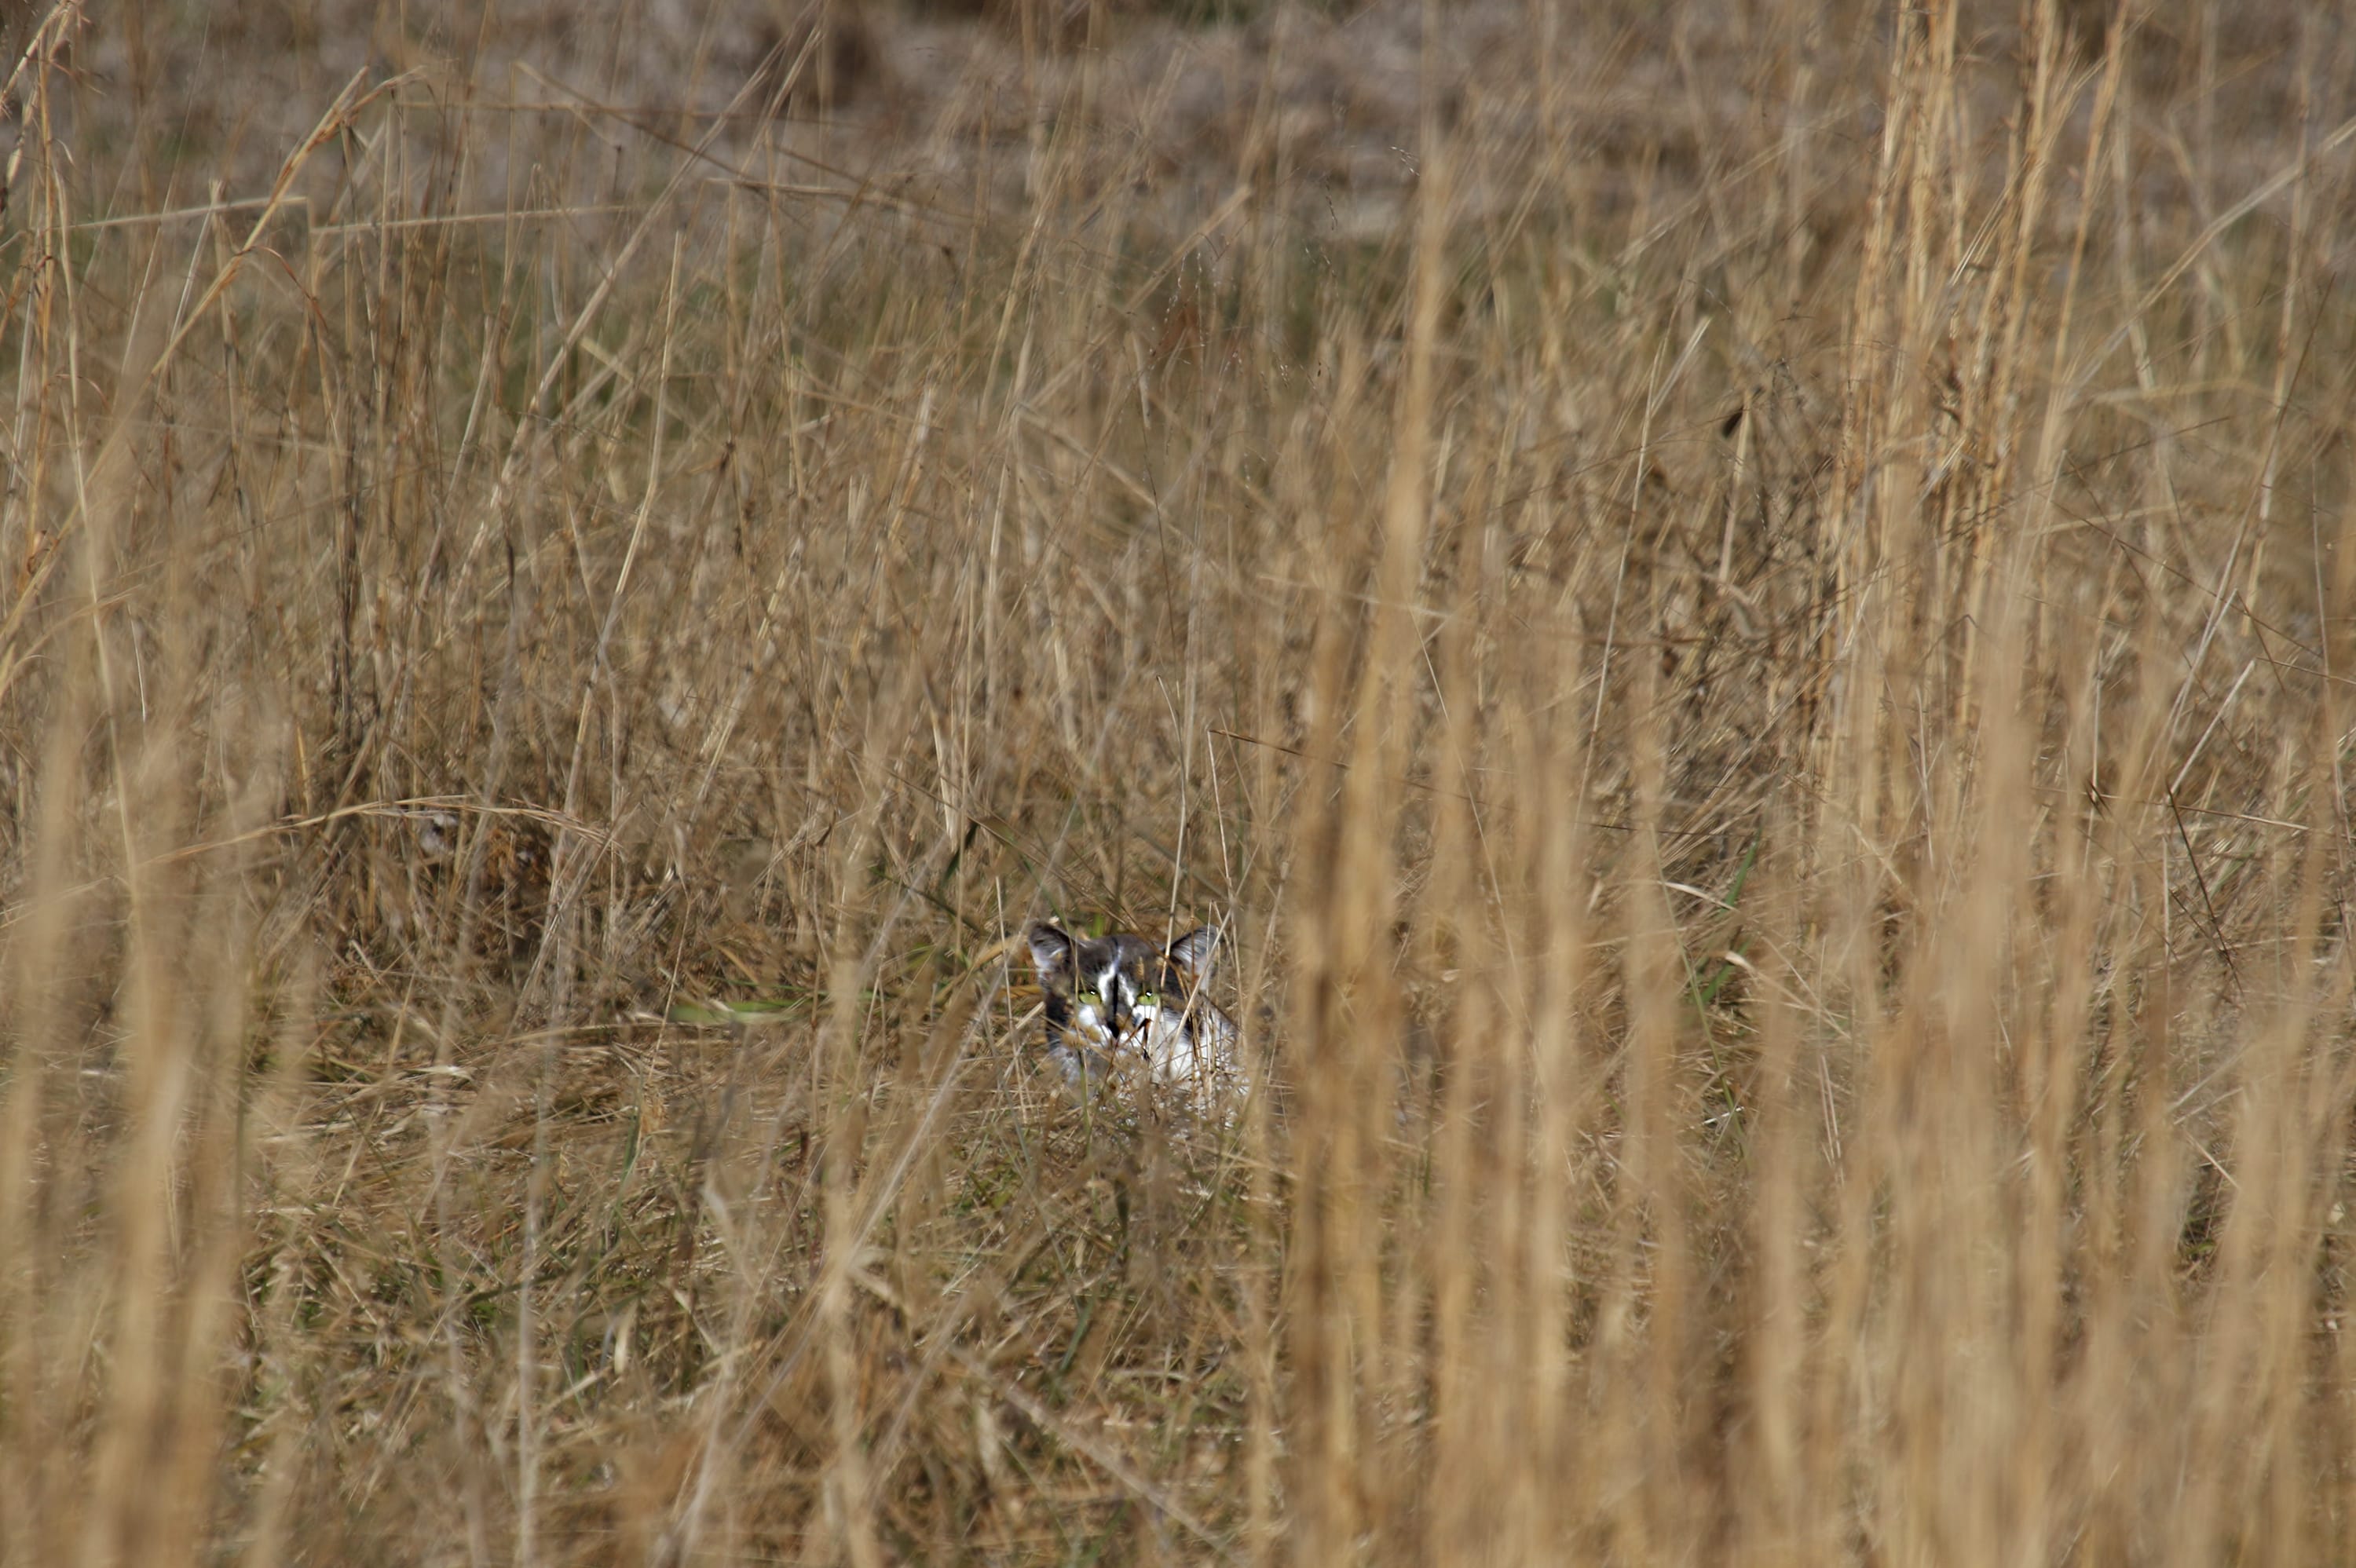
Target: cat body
{"x":1121,"y":1002}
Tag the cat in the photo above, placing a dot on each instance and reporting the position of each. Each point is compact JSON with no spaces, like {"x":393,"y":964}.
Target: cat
{"x":1121,"y":1002}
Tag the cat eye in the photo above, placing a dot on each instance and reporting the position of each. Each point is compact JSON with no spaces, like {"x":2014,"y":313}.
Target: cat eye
{"x":1090,"y":997}
{"x":1148,"y":999}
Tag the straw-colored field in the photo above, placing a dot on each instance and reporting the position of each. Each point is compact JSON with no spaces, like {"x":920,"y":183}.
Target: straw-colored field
{"x":1736,"y":610}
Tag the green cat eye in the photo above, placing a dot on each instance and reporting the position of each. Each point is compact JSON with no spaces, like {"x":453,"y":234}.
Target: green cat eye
{"x":1090,"y":997}
{"x":1148,"y":999}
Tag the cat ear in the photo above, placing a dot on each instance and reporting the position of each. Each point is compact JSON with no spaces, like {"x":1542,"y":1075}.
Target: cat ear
{"x":1051,"y":952}
{"x":1194,"y":951}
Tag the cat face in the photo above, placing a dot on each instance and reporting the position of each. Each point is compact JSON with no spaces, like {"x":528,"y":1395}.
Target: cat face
{"x":1121,"y":996}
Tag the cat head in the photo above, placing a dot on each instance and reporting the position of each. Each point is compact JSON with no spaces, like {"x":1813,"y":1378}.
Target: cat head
{"x":1105,"y":989}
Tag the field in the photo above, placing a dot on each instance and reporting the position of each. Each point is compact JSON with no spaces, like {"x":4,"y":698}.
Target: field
{"x":1734,"y":608}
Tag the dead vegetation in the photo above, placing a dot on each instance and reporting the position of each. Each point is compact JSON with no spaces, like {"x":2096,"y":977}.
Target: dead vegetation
{"x":1737,"y":612}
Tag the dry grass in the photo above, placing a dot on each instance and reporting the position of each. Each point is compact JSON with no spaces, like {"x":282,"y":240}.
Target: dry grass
{"x":1739,"y":613}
